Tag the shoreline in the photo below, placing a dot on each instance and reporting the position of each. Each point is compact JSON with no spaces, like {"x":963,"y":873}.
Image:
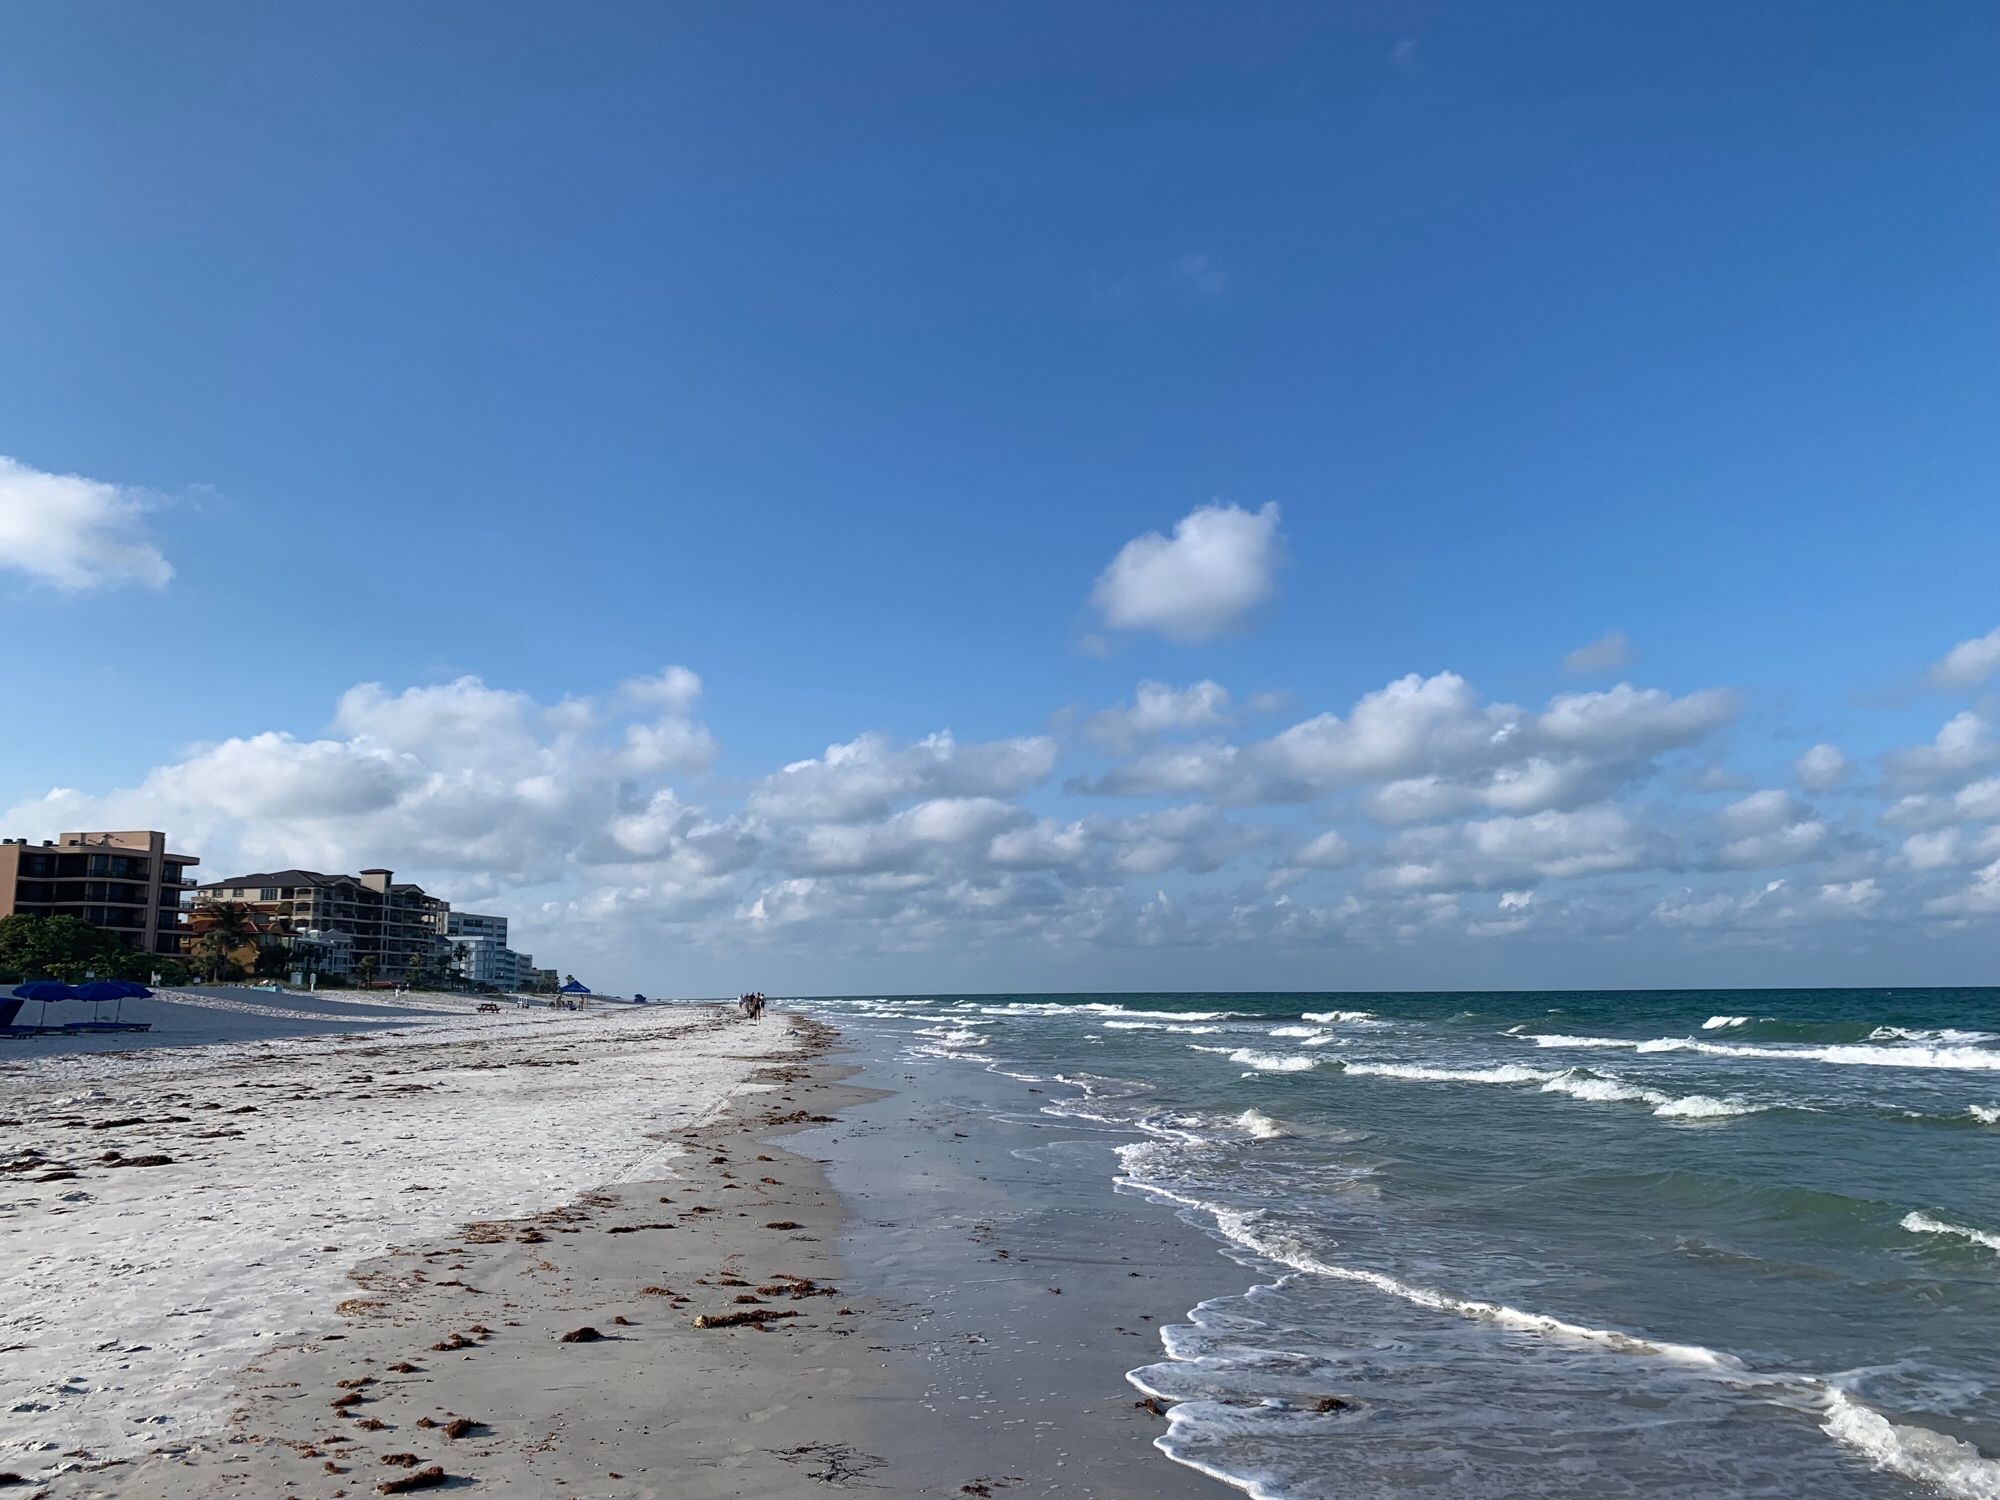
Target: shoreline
{"x":850,"y":1350}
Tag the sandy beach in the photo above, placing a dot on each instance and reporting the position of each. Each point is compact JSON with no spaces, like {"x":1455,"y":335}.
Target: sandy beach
{"x":547,"y":1255}
{"x":170,"y":1217}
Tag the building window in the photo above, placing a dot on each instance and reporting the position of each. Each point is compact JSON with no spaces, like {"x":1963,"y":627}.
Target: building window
{"x":268,"y":893}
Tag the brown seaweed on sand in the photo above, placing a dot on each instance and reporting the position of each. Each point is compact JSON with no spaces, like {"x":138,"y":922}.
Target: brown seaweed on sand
{"x":423,"y":1479}
{"x":756,"y":1316}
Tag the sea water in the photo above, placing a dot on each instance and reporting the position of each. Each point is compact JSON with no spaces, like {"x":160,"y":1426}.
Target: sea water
{"x":1663,"y":1244}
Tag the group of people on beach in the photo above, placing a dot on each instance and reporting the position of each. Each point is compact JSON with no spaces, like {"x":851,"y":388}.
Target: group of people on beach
{"x":752,"y":1004}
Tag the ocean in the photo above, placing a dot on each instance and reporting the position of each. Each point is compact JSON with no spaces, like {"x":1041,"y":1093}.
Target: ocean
{"x":1689,"y":1243}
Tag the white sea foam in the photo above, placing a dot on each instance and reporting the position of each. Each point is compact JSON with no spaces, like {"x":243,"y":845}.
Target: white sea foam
{"x":1954,"y":1468}
{"x":1921,"y":1223}
{"x":1163,"y":1026}
{"x":1706,"y":1107}
{"x":1099,"y":1008}
{"x":1271,"y":1062}
{"x":1337,"y":1017}
{"x":1985,"y":1114}
{"x":1948,"y":1035}
{"x":1852,"y":1054}
{"x":1590,"y":1087}
{"x":1261,"y":1125}
{"x":1506,"y":1073}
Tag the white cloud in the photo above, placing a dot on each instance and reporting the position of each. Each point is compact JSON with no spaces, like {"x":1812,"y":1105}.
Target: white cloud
{"x":1822,"y":768}
{"x":1981,"y":898}
{"x":1209,"y":766}
{"x":866,"y":777}
{"x":1513,"y":851}
{"x":668,"y":744}
{"x":566,"y":814}
{"x":673,"y":690}
{"x":1970,"y":662}
{"x":1768,"y":829}
{"x":901,"y":841}
{"x":1763,"y":812}
{"x":1645,"y":721}
{"x":75,"y":533}
{"x":1610,"y":652}
{"x":457,"y":777}
{"x":1326,"y":852}
{"x":1158,"y":709}
{"x":1397,"y":730}
{"x":1963,"y":747}
{"x":1219,"y":565}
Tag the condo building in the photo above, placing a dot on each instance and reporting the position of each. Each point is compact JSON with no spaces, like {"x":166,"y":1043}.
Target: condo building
{"x":336,"y":922}
{"x":128,"y":883}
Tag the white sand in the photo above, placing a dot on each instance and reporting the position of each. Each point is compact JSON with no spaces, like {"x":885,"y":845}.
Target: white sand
{"x":131,"y":1297}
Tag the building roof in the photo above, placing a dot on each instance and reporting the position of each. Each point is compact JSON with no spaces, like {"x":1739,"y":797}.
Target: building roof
{"x":281,"y":877}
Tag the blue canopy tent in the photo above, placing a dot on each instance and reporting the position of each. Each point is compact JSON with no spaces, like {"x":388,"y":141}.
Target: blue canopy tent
{"x":575,"y":992}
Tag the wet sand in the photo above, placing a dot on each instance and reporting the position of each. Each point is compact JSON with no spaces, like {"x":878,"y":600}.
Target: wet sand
{"x":594,"y":1349}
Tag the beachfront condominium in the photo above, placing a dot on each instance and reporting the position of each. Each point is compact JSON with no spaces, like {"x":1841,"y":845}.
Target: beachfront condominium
{"x":483,"y":961}
{"x":479,"y":951}
{"x":128,"y":883}
{"x":344,"y":926}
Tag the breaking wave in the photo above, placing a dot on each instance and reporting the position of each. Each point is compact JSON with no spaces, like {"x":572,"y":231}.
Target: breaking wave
{"x":1921,"y":1223}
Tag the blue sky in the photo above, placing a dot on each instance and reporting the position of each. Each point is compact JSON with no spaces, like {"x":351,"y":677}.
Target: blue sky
{"x":500,"y":355}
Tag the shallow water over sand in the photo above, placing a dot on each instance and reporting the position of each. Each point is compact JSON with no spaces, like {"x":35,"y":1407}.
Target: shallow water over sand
{"x":1666,"y":1244}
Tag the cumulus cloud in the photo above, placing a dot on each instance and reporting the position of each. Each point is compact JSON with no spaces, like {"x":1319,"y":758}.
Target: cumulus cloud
{"x":75,"y":533}
{"x":1610,"y":652}
{"x":672,"y":690}
{"x":1822,"y":768}
{"x":1158,"y":709}
{"x":454,"y":777}
{"x":1220,"y":564}
{"x":865,"y":777}
{"x":1326,"y":852}
{"x":1979,"y":898}
{"x":577,"y":815}
{"x":1773,"y":907}
{"x":1970,"y":662}
{"x":1514,"y":851}
{"x":1208,"y":767}
{"x":1769,"y":829}
{"x":1962,"y":748}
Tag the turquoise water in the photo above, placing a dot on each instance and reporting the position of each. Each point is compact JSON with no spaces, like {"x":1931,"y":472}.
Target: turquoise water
{"x":1686,"y":1243}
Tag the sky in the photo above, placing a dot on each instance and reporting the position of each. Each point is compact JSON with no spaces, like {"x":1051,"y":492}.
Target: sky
{"x":906,"y":497}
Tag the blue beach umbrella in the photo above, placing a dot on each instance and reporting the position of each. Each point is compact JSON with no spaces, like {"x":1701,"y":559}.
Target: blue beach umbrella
{"x":45,"y":990}
{"x":102,"y":992}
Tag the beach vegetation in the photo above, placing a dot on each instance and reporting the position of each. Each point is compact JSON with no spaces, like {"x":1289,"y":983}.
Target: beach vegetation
{"x":70,"y":949}
{"x":226,"y":935}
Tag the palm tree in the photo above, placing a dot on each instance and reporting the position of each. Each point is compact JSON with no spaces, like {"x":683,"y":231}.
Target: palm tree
{"x":221,"y":928}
